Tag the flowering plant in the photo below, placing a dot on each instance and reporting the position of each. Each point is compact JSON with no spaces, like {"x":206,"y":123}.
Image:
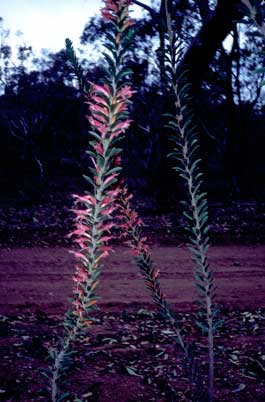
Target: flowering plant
{"x":108,"y":118}
{"x":108,"y":203}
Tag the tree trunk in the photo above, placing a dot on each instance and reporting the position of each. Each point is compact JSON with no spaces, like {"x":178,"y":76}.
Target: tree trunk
{"x":208,"y":40}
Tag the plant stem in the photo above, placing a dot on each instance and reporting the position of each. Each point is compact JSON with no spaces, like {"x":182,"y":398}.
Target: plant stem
{"x":59,"y":360}
{"x":144,"y":262}
{"x":198,"y":205}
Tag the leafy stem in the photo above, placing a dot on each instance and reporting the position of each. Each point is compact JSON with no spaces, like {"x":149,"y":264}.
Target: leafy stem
{"x":131,"y":226}
{"x":195,"y":209}
{"x":108,"y":107}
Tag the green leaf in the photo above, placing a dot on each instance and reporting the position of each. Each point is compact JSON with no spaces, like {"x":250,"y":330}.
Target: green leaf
{"x":203,"y":328}
{"x":89,"y":180}
{"x":132,"y":371}
{"x":63,"y":396}
{"x":96,"y":135}
{"x":110,"y":37}
{"x":125,"y":72}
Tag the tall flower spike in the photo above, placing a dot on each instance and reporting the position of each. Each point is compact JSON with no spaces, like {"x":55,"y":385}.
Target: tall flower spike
{"x":131,"y":227}
{"x":108,"y":118}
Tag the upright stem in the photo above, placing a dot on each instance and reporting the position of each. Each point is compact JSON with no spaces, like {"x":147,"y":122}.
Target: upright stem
{"x":144,"y":261}
{"x":191,"y":176}
{"x":108,"y":105}
{"x":59,"y":360}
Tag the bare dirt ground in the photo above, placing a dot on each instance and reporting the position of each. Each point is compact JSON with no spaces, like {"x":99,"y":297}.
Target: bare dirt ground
{"x":41,"y":278}
{"x":129,"y":354}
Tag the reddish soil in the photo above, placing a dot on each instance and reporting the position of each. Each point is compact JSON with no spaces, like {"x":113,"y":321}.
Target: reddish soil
{"x":129,"y":354}
{"x":41,"y":278}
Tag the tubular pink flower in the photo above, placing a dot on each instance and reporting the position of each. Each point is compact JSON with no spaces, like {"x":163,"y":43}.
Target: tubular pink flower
{"x":98,"y":108}
{"x":105,"y":239}
{"x":125,"y":93}
{"x":111,"y":5}
{"x":102,"y":255}
{"x":103,"y":89}
{"x":135,"y":252}
{"x":85,"y":198}
{"x":109,"y":178}
{"x":98,"y":100}
{"x":107,"y":211}
{"x":79,"y":256}
{"x":107,"y":16}
{"x":81,"y":241}
{"x":81,"y":275}
{"x":99,"y":119}
{"x":98,"y":147}
{"x":102,"y":128}
{"x":107,"y":227}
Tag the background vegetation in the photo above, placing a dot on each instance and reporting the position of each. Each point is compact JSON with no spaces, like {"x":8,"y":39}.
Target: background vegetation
{"x":44,"y":132}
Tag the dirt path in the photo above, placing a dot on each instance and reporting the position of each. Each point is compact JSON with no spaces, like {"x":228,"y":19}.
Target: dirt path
{"x":40,"y":278}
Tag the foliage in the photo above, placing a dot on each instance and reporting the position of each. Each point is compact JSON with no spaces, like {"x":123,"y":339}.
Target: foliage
{"x":107,"y":203}
{"x":256,"y":13}
{"x":131,"y":229}
{"x":231,"y":137}
{"x":185,"y":153}
{"x":76,"y":67}
{"x":108,"y":106}
{"x":95,"y":220}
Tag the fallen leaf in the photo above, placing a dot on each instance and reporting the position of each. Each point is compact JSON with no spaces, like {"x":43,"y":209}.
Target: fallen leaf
{"x":240,"y":388}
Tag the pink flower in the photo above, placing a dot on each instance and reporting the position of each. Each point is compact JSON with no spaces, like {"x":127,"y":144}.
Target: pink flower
{"x":114,"y":193}
{"x":99,"y":119}
{"x":81,"y":214}
{"x":122,"y":126}
{"x":79,"y":256}
{"x":107,"y":16}
{"x":98,"y":108}
{"x":81,"y":275}
{"x":98,"y":124}
{"x":102,"y":128}
{"x":80,"y":231}
{"x":109,"y":178}
{"x":125,"y":93}
{"x":98,"y":147}
{"x":98,"y":99}
{"x":104,"y":89}
{"x":102,"y":255}
{"x":117,"y":160}
{"x":156,"y":274}
{"x":107,"y":227}
{"x":107,"y":211}
{"x":111,"y":5}
{"x":135,"y":252}
{"x":106,"y":201}
{"x":81,"y":241}
{"x":85,"y":198}
{"x":105,"y":239}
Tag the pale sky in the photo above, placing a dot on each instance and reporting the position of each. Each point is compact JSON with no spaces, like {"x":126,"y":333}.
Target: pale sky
{"x":46,"y":23}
